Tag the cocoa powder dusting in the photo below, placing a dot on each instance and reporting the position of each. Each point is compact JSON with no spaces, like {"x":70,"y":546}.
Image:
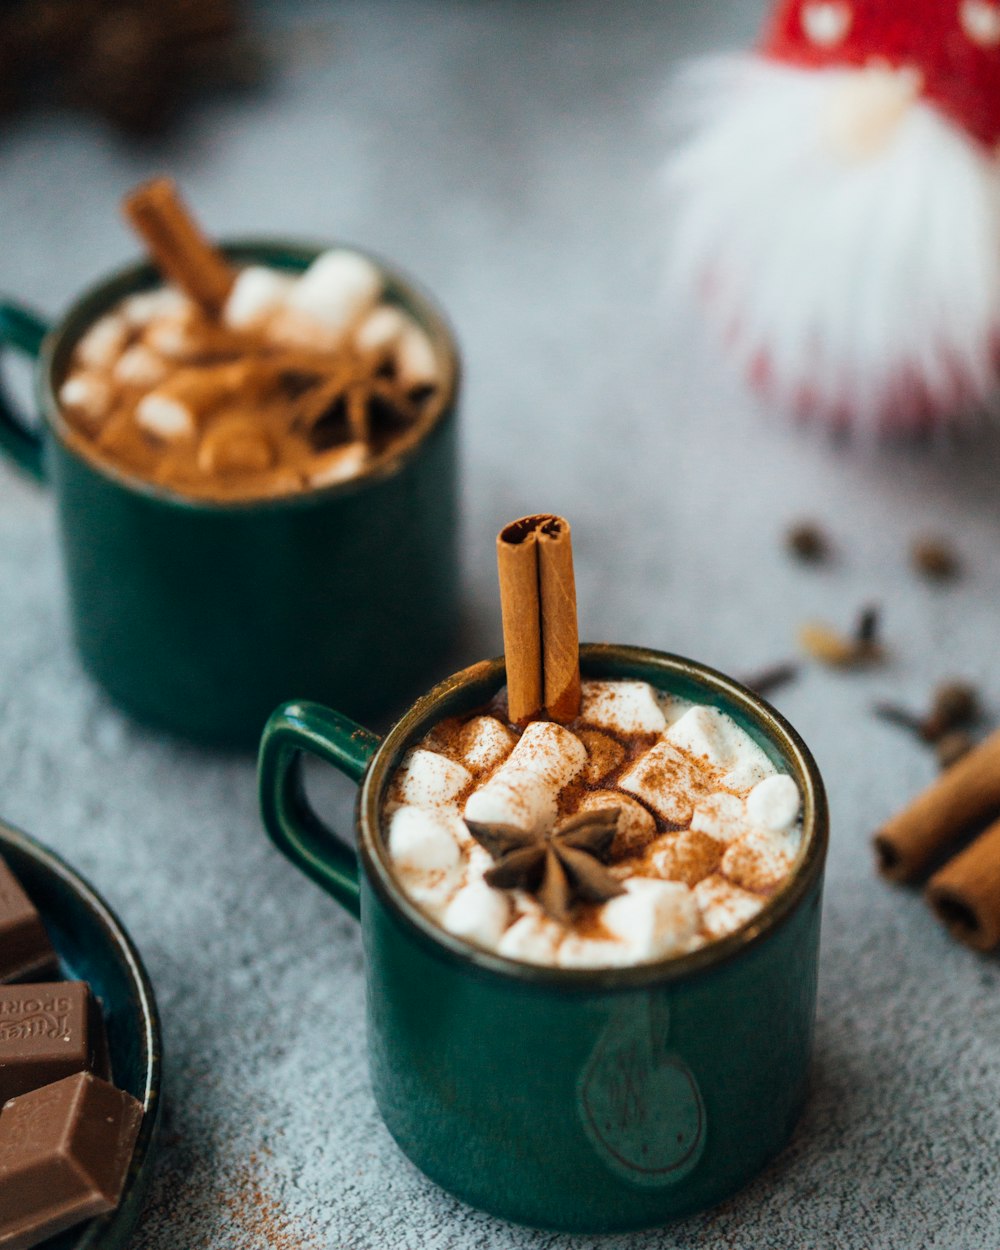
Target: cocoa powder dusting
{"x":242,"y":1197}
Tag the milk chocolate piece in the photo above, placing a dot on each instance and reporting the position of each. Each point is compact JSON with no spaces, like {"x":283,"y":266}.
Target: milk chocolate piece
{"x":48,"y":1032}
{"x":65,"y":1151}
{"x":26,"y":953}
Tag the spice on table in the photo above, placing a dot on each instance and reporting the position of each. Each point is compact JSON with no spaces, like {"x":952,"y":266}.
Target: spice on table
{"x":953,"y":746}
{"x":955,"y":705}
{"x":832,"y":648}
{"x":965,"y":893}
{"x":807,"y":542}
{"x":767,"y":680}
{"x":561,"y":867}
{"x":966,"y":795}
{"x":935,"y":558}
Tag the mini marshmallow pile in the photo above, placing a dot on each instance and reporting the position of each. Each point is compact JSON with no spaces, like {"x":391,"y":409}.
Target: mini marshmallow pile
{"x":708,"y":828}
{"x":157,"y":357}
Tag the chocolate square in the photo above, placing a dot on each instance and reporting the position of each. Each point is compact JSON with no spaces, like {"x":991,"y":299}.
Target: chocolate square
{"x":65,"y":1151}
{"x":48,"y":1031}
{"x":26,"y":953}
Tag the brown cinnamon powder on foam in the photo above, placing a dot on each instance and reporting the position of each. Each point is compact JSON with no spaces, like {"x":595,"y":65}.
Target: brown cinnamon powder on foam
{"x":689,"y":856}
{"x":241,"y":377}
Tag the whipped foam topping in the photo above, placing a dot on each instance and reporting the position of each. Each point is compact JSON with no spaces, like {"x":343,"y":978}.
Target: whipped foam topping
{"x":708,"y":828}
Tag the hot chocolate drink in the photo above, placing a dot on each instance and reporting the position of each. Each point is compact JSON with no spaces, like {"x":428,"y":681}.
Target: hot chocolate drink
{"x":231,"y":384}
{"x":301,"y":382}
{"x":643,"y":829}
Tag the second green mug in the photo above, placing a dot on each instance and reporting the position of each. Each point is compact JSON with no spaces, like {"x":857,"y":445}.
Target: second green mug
{"x":587,"y":1100}
{"x":199,"y":616}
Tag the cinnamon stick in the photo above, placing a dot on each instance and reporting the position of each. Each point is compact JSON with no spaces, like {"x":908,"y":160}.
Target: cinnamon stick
{"x":965,"y":894}
{"x":967,"y":794}
{"x":177,"y":245}
{"x":538,"y":605}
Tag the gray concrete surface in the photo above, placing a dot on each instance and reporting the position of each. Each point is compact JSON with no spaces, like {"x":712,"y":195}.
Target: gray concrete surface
{"x":506,"y":153}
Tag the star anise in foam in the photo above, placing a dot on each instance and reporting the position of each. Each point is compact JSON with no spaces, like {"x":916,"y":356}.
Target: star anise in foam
{"x":561,"y":866}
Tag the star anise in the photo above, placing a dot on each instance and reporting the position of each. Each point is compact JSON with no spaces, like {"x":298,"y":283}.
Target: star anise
{"x":560,"y":866}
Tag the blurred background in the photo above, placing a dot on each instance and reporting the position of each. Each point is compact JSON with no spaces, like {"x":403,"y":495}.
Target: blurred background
{"x":507,"y":155}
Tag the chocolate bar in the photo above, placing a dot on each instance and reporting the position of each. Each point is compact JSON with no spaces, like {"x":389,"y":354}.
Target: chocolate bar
{"x":26,"y":953}
{"x":48,"y":1032}
{"x":65,"y":1151}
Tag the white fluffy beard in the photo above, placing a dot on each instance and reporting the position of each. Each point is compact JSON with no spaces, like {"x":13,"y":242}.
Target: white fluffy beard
{"x":866,"y":290}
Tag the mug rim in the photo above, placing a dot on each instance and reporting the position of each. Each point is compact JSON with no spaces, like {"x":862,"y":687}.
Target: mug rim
{"x":139,"y":275}
{"x":776,"y":911}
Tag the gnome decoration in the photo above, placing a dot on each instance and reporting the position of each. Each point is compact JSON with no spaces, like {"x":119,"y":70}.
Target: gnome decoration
{"x":838,"y":208}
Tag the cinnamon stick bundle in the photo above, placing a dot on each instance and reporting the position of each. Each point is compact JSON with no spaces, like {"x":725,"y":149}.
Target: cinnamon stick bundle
{"x":177,"y":245}
{"x":965,"y":894}
{"x":538,"y":605}
{"x":966,"y":795}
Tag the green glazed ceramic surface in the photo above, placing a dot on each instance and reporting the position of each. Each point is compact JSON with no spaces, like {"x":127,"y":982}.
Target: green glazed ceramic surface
{"x":582,"y":1100}
{"x":199,"y":616}
{"x":93,"y":947}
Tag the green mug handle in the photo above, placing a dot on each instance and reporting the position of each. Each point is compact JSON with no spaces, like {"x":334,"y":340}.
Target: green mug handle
{"x":23,"y":331}
{"x":292,"y":730}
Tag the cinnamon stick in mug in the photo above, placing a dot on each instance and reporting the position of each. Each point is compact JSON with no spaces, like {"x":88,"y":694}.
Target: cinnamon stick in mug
{"x":538,"y":605}
{"x":965,"y":894}
{"x":177,"y":245}
{"x":966,"y":795}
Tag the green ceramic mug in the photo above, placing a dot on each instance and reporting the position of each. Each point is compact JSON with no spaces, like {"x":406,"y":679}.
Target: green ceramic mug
{"x":199,"y":616}
{"x":581,"y":1100}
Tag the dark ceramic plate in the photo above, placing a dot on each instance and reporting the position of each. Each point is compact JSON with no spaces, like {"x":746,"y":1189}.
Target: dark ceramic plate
{"x":93,"y":946}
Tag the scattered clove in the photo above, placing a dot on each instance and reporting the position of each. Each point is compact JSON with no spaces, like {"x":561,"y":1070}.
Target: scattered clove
{"x":955,"y":706}
{"x":935,"y":559}
{"x":953,"y":746}
{"x":768,"y":680}
{"x":807,"y":542}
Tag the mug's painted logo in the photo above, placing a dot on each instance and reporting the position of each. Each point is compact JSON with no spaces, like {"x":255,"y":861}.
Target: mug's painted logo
{"x":640,"y":1103}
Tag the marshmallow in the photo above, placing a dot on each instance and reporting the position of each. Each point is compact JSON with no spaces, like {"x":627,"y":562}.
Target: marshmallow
{"x":760,"y":860}
{"x":288,"y":327}
{"x":668,"y":781}
{"x":724,"y":907}
{"x":337,"y":288}
{"x":625,"y":706}
{"x":172,"y":337}
{"x":774,"y":803}
{"x":381,"y":330}
{"x":337,"y":465}
{"x":139,"y":310}
{"x":421,"y":840}
{"x":477,"y":913}
{"x":722,"y":816}
{"x":711,"y":734}
{"x":513,"y":797}
{"x":164,"y":416}
{"x":652,"y":918}
{"x":427,"y":779}
{"x":256,"y":292}
{"x":550,"y":751}
{"x":533,"y":939}
{"x":416,"y":360}
{"x":102,"y":344}
{"x":636,"y":827}
{"x":579,"y":952}
{"x":138,"y":366}
{"x":604,"y":754}
{"x":688,"y":856}
{"x":88,"y":393}
{"x":485,"y":742}
{"x":524,"y":789}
